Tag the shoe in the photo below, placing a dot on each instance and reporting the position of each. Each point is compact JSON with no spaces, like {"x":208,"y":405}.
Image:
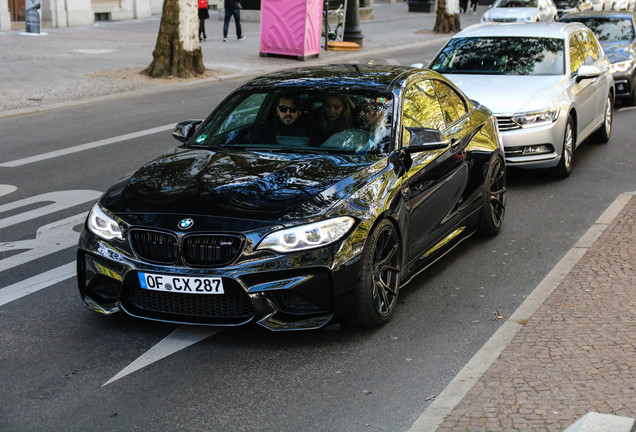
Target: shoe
{"x":205,"y":37}
{"x":241,"y":37}
{"x":224,"y":39}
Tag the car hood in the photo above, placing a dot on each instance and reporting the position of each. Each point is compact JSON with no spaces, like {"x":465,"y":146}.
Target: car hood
{"x":524,"y":93}
{"x":240,"y":184}
{"x":509,"y":13}
{"x":617,"y":51}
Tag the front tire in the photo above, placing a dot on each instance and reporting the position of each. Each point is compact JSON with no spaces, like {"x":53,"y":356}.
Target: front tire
{"x":493,"y":201}
{"x":604,"y":133}
{"x":564,"y":168}
{"x":379,"y":281}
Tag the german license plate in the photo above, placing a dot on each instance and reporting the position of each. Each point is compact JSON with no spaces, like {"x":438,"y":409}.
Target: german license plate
{"x":180,"y":284}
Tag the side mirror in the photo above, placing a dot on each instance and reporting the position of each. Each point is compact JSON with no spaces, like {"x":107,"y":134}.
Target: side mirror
{"x":587,"y":72}
{"x":185,"y":130}
{"x":426,"y":139}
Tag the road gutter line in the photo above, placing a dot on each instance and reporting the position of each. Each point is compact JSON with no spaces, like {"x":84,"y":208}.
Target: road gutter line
{"x":455,"y":391}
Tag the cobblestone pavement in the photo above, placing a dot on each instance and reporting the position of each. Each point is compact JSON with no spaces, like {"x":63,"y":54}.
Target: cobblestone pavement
{"x":576,"y":354}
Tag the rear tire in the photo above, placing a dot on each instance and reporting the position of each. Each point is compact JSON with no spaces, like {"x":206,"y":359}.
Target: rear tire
{"x":604,"y":133}
{"x":493,"y":201}
{"x":379,"y":281}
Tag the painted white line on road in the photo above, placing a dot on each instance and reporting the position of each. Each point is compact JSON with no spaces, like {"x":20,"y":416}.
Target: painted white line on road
{"x":179,"y":339}
{"x":87,"y":146}
{"x":7,"y":189}
{"x":36,"y":283}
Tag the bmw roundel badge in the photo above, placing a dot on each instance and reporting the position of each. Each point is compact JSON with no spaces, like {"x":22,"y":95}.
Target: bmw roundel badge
{"x":186,"y":223}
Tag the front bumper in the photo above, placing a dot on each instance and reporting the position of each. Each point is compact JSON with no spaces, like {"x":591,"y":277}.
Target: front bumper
{"x":279,"y":292}
{"x":517,"y":142}
{"x":624,"y":83}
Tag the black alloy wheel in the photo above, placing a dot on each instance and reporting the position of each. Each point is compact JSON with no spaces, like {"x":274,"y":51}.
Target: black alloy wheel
{"x":379,"y":282}
{"x":493,"y":206}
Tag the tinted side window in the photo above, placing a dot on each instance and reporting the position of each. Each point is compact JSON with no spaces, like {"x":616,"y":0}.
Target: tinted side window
{"x":591,"y":47}
{"x":421,"y":109}
{"x":453,"y":105}
{"x":576,"y":58}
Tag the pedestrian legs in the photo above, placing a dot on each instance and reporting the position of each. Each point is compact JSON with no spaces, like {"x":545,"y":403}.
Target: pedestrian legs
{"x":229,"y":13}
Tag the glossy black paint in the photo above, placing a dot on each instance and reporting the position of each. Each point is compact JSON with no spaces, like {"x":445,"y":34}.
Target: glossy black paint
{"x":431,"y":195}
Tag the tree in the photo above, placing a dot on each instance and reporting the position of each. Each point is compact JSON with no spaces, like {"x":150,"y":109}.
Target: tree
{"x":447,"y":20}
{"x":177,"y":51}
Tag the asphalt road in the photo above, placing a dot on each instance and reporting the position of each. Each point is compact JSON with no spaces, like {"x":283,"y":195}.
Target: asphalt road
{"x":66,"y":368}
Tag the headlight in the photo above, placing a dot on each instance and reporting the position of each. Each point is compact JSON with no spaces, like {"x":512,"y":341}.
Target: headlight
{"x":623,"y":66}
{"x":308,"y":236}
{"x":103,"y":225}
{"x":537,"y":118}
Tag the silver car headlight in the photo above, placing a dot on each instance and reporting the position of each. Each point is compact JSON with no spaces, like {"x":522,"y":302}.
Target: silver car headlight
{"x":536,"y":118}
{"x":623,"y":66}
{"x":310,"y":236}
{"x":103,"y":225}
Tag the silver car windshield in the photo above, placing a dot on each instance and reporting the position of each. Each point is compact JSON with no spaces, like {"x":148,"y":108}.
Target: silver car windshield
{"x":502,"y":56}
{"x":516,"y":4}
{"x":303,"y":121}
{"x":609,"y":28}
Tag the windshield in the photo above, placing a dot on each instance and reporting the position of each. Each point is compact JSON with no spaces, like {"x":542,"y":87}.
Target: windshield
{"x":609,"y":28}
{"x":501,"y":56}
{"x":516,"y":4}
{"x":301,"y":121}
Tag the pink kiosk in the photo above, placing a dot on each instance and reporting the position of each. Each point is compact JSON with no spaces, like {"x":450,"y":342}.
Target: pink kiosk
{"x":291,"y":28}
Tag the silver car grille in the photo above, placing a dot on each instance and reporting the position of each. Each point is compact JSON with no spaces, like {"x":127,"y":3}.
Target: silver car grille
{"x":504,"y":20}
{"x":506,"y":123}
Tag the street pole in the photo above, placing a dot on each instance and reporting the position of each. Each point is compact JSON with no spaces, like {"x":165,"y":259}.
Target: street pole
{"x":352,"y":31}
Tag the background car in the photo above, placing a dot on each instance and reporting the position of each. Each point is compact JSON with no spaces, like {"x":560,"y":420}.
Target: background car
{"x":241,"y":225}
{"x":548,"y":84}
{"x":520,"y":11}
{"x":569,"y":6}
{"x":616,"y":31}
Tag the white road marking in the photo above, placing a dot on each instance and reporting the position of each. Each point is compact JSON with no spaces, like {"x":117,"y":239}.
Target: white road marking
{"x":7,"y":189}
{"x":179,"y":339}
{"x":36,"y":283}
{"x":60,"y":200}
{"x":49,"y":239}
{"x":87,"y":146}
{"x":392,"y":61}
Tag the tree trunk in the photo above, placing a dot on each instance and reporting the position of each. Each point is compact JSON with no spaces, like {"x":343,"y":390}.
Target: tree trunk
{"x":447,"y":17}
{"x":177,"y":51}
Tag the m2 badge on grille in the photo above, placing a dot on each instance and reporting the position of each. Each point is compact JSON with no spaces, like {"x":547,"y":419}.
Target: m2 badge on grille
{"x":180,"y":284}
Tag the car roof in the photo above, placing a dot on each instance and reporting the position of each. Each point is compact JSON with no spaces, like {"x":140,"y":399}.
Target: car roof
{"x":546,"y":30}
{"x":599,"y":14}
{"x":360,"y":76}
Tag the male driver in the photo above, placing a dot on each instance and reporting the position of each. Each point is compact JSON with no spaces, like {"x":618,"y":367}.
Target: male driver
{"x":288,"y":113}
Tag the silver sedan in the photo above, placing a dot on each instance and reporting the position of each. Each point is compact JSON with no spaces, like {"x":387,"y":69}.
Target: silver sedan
{"x":549,"y":85}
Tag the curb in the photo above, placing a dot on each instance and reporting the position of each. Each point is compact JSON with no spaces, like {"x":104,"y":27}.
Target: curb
{"x":455,"y":391}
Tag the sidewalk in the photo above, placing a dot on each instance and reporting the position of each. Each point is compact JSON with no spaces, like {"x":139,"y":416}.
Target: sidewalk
{"x":79,"y":63}
{"x":569,"y":349}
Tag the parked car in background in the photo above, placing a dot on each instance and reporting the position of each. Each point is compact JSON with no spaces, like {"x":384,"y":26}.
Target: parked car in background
{"x":616,"y":32}
{"x":624,"y":5}
{"x":548,"y":84}
{"x":259,"y":216}
{"x":520,"y":11}
{"x":568,"y":6}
